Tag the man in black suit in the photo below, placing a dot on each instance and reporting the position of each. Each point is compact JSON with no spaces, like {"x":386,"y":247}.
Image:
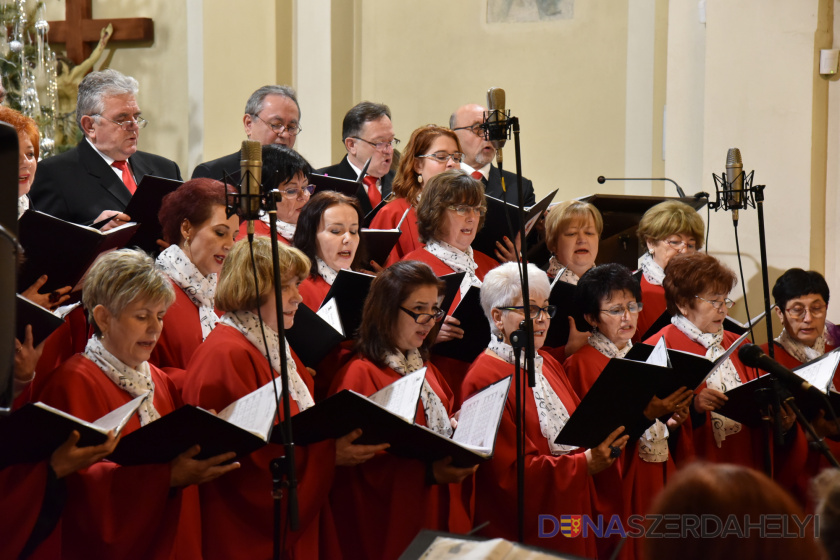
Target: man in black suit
{"x":272,"y":116}
{"x":479,"y":155}
{"x":368,"y":134}
{"x":95,"y":180}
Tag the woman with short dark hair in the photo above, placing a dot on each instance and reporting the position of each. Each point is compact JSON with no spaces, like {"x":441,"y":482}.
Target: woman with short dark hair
{"x":560,"y":479}
{"x":287,"y":171}
{"x":328,"y":234}
{"x":608,"y":297}
{"x":200,"y":236}
{"x":697,"y":290}
{"x":383,"y":504}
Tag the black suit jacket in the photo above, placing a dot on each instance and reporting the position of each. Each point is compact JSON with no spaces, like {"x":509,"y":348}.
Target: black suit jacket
{"x":343,"y":170}
{"x":493,"y":187}
{"x":78,"y":185}
{"x":215,"y":169}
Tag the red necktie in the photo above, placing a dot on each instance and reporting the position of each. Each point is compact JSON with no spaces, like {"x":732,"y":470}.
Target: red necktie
{"x":477,"y":175}
{"x":373,"y":192}
{"x":127,"y":177}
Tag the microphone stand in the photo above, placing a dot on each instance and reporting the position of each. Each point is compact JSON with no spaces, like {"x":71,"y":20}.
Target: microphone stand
{"x":680,"y":192}
{"x":523,"y":338}
{"x":282,"y":468}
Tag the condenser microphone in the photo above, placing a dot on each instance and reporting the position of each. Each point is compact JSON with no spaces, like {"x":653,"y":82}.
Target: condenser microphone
{"x":496,"y":120}
{"x":250,"y":165}
{"x":753,"y":356}
{"x":735,"y":181}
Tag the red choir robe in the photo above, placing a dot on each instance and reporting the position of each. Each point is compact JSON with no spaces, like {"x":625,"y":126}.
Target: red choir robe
{"x":554,"y":484}
{"x":745,"y":448}
{"x":388,"y":218}
{"x":260,"y":228}
{"x":653,"y":306}
{"x":642,"y":480}
{"x":67,"y":340}
{"x":237,"y":508}
{"x":114,"y":511}
{"x":23,"y":488}
{"x":180,"y":337}
{"x":382,"y":504}
{"x":797,"y":462}
{"x":313,"y":290}
{"x":453,"y":370}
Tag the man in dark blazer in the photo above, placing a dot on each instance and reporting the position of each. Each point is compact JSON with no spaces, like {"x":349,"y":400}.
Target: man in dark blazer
{"x":272,"y":116}
{"x":95,"y":180}
{"x":479,"y":155}
{"x":368,"y":134}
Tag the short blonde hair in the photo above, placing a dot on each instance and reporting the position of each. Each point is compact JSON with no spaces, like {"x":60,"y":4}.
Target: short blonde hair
{"x":562,"y":216}
{"x":119,"y":277}
{"x":236,"y":290}
{"x":671,"y":217}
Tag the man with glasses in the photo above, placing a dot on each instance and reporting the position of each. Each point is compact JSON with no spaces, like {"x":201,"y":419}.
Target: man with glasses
{"x":368,"y":134}
{"x":479,"y":154}
{"x":96,"y":179}
{"x":272,"y":116}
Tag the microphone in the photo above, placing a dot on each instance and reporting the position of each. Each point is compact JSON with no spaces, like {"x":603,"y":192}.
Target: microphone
{"x":735,"y":181}
{"x":680,"y":192}
{"x":496,"y":120}
{"x":752,"y":356}
{"x":250,"y":166}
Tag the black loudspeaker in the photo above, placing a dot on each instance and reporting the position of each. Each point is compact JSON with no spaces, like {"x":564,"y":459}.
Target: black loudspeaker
{"x":8,"y":260}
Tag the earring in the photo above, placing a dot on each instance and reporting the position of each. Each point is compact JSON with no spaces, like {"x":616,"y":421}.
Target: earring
{"x":420,"y":179}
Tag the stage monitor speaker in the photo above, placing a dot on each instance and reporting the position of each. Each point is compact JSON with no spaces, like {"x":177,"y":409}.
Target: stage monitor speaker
{"x":8,"y":264}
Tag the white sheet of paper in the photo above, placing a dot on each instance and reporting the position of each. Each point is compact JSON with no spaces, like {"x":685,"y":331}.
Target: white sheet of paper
{"x":659,"y":356}
{"x":719,"y":362}
{"x":255,"y":411}
{"x":401,"y":396}
{"x":479,"y":418}
{"x":329,"y":313}
{"x":820,"y":373}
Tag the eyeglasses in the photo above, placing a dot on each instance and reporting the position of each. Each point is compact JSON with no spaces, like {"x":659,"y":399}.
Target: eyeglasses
{"x":140,"y":122}
{"x":424,"y":318}
{"x":381,"y":146}
{"x":299,"y":192}
{"x":717,"y":303}
{"x":475,"y":129}
{"x":798,"y":311}
{"x":443,"y":157}
{"x":293,"y":129}
{"x":679,"y":245}
{"x":534,"y":310}
{"x":462,"y":210}
{"x":620,"y":310}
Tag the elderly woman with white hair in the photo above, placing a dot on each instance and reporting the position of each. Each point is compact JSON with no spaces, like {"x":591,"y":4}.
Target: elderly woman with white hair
{"x":581,"y":481}
{"x":147,"y":511}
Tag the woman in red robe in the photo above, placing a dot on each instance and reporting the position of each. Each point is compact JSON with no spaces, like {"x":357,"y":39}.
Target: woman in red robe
{"x":430,"y":150}
{"x":572,"y":233}
{"x":608,"y":298}
{"x":231,"y":364}
{"x":669,"y":228}
{"x":287,"y":171}
{"x":450,"y":213}
{"x":801,"y":299}
{"x":200,"y":236}
{"x":697,"y":287}
{"x":382,"y":505}
{"x":148,"y":511}
{"x":559,"y":479}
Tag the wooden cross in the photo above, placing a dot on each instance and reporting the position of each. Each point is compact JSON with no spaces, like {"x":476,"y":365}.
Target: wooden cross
{"x":79,"y":32}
